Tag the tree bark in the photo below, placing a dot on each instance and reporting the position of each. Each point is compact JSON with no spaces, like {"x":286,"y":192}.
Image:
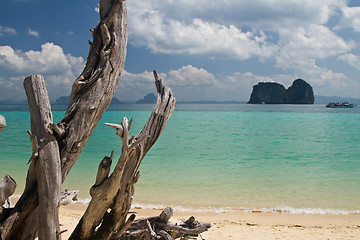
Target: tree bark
{"x":55,"y":148}
{"x":91,"y":94}
{"x":115,"y":192}
{"x":48,"y":157}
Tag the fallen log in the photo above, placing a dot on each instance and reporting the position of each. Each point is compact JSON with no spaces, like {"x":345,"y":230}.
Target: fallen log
{"x":159,"y":227}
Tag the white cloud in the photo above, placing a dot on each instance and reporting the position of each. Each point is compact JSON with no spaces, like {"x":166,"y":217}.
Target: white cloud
{"x":350,"y":18}
{"x":262,"y":13}
{"x":191,"y":83}
{"x":51,"y":59}
{"x":189,"y":77}
{"x":295,"y":34}
{"x":214,"y":29}
{"x":7,"y":31}
{"x":306,"y":44}
{"x":327,"y":82}
{"x":351,"y":59}
{"x":196,"y":38}
{"x":186,"y":82}
{"x":291,"y":35}
{"x":59,"y":69}
{"x":33,"y":33}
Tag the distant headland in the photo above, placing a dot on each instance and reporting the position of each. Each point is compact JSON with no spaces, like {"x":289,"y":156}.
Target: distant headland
{"x":300,"y":92}
{"x":149,"y":98}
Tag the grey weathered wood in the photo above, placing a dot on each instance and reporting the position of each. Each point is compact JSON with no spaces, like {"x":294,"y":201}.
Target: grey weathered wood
{"x":68,"y":196}
{"x":91,"y":94}
{"x":2,"y":122}
{"x":7,"y":188}
{"x":163,"y":228}
{"x":93,"y":90}
{"x":48,"y":167}
{"x":166,"y":214}
{"x":115,"y":192}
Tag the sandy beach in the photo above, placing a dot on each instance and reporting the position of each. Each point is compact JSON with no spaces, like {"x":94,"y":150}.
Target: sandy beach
{"x":246,"y":225}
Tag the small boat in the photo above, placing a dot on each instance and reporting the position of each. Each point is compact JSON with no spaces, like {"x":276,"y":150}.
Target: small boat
{"x":340,"y":105}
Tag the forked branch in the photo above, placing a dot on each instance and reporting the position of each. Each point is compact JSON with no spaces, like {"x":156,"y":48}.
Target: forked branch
{"x":106,"y":215}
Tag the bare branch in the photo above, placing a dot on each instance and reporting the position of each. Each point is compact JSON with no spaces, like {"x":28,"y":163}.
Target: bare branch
{"x":115,"y":192}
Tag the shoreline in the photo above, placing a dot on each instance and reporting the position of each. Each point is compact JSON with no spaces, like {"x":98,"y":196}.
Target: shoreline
{"x":242,"y":224}
{"x":213,"y":209}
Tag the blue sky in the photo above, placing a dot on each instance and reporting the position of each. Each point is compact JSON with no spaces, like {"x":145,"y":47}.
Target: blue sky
{"x":204,"y":50}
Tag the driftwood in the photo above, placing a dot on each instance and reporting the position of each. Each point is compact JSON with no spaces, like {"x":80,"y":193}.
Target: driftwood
{"x":56,"y":147}
{"x":7,"y":184}
{"x":7,"y":188}
{"x":2,"y":122}
{"x":68,"y":196}
{"x":48,"y":171}
{"x":91,"y":94}
{"x":160,"y":228}
{"x":105,"y":217}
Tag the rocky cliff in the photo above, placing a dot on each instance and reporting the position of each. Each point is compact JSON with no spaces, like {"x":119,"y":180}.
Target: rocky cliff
{"x":300,"y":92}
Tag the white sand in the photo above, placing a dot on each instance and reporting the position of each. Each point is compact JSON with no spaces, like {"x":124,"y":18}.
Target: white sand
{"x":247,"y":225}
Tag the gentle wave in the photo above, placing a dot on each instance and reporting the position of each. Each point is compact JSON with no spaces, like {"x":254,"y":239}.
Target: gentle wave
{"x":279,"y":209}
{"x":291,"y":210}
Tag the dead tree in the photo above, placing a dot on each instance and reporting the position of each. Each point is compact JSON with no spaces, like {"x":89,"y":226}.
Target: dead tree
{"x":90,"y":96}
{"x":56,"y":147}
{"x":105,"y":217}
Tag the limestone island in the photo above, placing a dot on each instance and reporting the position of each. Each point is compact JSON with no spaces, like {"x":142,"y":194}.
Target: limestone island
{"x":300,"y":92}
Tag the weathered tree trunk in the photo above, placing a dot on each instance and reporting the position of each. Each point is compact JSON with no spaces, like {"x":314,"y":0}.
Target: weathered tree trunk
{"x":115,"y":192}
{"x":57,"y":147}
{"x":91,"y":94}
{"x":48,"y":157}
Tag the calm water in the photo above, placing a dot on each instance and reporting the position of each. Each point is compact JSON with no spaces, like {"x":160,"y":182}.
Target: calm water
{"x":300,"y":157}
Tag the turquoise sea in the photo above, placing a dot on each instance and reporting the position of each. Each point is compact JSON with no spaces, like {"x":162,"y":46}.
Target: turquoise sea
{"x":220,"y":157}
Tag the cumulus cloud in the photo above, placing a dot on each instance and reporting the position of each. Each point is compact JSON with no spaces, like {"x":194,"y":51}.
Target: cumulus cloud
{"x":215,"y":29}
{"x":186,"y":82}
{"x":350,"y":18}
{"x":307,"y":44}
{"x":198,"y":37}
{"x":7,"y":31}
{"x":294,"y":34}
{"x":262,"y":13}
{"x":190,"y":83}
{"x":59,"y":69}
{"x":33,"y":33}
{"x":189,"y":77}
{"x":351,"y":59}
